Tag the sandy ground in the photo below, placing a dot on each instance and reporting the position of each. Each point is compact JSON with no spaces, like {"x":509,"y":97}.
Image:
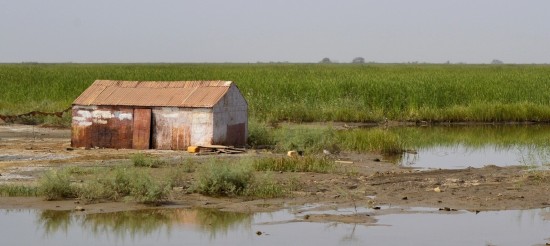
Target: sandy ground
{"x":363,"y":181}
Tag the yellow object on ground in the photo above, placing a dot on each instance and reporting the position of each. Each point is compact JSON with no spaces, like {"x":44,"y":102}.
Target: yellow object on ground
{"x":193,"y":149}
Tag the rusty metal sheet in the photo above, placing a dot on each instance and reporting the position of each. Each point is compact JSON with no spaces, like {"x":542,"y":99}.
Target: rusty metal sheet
{"x":149,"y":93}
{"x":181,"y":138}
{"x":111,"y":127}
{"x":236,"y":135}
{"x":141,"y":128}
{"x":89,"y":95}
{"x":81,"y":131}
{"x":171,"y":129}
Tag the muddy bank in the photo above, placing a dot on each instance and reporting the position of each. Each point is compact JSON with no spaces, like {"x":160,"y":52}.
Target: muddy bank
{"x":361,"y":181}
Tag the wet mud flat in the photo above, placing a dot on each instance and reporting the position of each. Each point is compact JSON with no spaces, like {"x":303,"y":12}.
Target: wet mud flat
{"x":26,"y":152}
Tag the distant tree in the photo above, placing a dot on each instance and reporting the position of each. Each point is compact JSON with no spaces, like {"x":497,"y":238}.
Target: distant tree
{"x":326,"y":60}
{"x":358,"y":60}
{"x":496,"y":61}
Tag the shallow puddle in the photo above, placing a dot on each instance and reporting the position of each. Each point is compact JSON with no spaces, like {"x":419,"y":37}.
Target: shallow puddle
{"x":460,"y":156}
{"x":419,"y":226}
{"x":454,"y":147}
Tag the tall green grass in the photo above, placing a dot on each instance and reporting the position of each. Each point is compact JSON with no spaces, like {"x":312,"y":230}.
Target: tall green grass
{"x":503,"y":136}
{"x":302,"y":164}
{"x":313,"y":92}
{"x":312,"y":140}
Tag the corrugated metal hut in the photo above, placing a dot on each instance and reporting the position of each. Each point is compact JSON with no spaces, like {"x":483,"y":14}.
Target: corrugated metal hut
{"x":159,"y":115}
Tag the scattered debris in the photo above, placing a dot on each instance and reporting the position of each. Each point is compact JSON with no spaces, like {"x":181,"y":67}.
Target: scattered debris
{"x":215,"y":149}
{"x":344,"y":162}
{"x":292,"y":153}
{"x":193,"y":149}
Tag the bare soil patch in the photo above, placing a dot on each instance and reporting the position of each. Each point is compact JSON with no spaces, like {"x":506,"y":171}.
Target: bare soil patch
{"x":361,"y":181}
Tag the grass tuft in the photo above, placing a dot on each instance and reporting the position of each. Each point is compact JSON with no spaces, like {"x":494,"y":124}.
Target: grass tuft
{"x":56,"y":185}
{"x":266,"y":187}
{"x":301,"y":164}
{"x":11,"y":190}
{"x":141,"y":160}
{"x":221,"y":178}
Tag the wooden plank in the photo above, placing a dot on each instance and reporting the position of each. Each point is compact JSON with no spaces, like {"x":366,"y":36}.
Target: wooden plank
{"x":141,"y":128}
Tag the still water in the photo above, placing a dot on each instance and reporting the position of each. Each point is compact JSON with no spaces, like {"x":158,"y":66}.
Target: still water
{"x":416,"y":226}
{"x":454,"y":147}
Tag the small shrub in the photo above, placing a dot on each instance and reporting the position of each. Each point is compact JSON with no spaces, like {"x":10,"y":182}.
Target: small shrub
{"x":121,"y":182}
{"x":266,"y":187}
{"x":188,"y":165}
{"x":258,"y":134}
{"x":56,"y":184}
{"x":94,"y":190}
{"x":141,"y":160}
{"x":177,"y":172}
{"x":219,"y":178}
{"x":145,"y":190}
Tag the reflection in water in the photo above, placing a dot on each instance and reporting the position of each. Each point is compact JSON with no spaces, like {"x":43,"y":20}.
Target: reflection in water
{"x":215,"y":221}
{"x":475,"y":146}
{"x":143,"y":222}
{"x":417,"y":226}
{"x":55,"y":221}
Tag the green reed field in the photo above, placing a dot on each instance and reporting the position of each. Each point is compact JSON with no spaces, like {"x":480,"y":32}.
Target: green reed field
{"x":313,"y":92}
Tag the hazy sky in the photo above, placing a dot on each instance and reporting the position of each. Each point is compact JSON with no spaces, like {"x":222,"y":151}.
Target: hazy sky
{"x":472,"y":31}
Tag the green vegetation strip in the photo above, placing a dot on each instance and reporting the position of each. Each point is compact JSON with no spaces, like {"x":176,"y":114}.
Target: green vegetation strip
{"x":313,"y":92}
{"x":315,"y":139}
{"x":153,"y":184}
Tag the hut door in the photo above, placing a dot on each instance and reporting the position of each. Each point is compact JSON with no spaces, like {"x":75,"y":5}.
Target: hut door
{"x":236,"y":135}
{"x":142,"y":128}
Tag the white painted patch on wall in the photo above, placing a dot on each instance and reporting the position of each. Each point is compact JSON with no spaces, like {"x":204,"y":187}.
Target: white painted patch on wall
{"x":84,"y":123}
{"x":79,"y":118}
{"x":123,"y":116}
{"x":102,"y":114}
{"x":84,"y":114}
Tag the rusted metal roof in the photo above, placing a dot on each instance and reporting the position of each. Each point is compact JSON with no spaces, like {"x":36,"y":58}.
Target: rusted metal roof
{"x":197,"y":94}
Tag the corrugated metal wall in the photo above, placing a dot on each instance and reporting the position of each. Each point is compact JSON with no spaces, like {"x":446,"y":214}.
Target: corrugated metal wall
{"x":178,"y":128}
{"x":102,"y":126}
